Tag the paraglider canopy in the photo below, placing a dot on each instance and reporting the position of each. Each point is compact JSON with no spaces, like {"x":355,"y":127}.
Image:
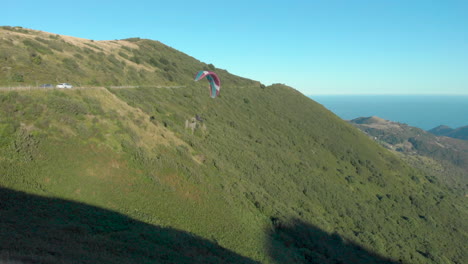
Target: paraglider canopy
{"x":213,"y":79}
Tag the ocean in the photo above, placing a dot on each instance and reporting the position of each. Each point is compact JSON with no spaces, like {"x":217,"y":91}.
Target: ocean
{"x":422,"y":111}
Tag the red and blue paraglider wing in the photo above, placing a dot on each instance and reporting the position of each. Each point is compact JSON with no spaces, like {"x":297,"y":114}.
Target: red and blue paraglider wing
{"x":213,"y":79}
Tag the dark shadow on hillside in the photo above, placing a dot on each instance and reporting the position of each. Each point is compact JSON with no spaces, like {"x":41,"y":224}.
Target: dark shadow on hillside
{"x":298,"y":242}
{"x":36,"y":229}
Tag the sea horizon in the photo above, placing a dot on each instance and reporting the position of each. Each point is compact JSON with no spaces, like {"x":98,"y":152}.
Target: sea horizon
{"x":425,"y":111}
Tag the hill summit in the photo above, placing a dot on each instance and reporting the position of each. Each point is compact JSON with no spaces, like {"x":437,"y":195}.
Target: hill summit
{"x":370,"y":120}
{"x":441,"y":130}
{"x":109,"y":171}
{"x":459,"y":133}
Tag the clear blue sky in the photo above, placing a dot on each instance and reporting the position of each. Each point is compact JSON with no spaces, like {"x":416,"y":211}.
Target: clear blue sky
{"x":316,"y":46}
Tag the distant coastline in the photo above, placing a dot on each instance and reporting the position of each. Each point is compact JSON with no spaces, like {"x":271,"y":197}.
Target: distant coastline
{"x":423,"y":111}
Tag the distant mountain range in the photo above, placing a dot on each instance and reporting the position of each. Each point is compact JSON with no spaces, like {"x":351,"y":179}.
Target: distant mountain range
{"x":436,"y":153}
{"x":460,"y":133}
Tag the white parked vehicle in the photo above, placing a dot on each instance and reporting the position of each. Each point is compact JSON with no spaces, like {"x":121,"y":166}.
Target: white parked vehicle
{"x":64,"y":85}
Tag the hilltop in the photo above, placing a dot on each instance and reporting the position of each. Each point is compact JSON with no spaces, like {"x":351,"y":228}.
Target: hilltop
{"x":443,"y":157}
{"x":374,"y":120}
{"x":31,"y":58}
{"x":459,"y":133}
{"x":108,"y":174}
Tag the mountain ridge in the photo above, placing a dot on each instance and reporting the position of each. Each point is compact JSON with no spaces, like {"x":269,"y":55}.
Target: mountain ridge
{"x":40,"y":57}
{"x":447,"y":158}
{"x":459,"y":133}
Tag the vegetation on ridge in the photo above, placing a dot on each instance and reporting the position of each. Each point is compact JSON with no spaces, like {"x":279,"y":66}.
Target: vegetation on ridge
{"x":32,"y":58}
{"x":269,"y":164}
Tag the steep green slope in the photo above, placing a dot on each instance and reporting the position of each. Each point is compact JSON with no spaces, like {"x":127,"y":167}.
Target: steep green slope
{"x":265,"y":166}
{"x":292,"y":159}
{"x":36,"y":229}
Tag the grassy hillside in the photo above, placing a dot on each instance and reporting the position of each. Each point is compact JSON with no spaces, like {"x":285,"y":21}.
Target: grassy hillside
{"x":85,"y":234}
{"x":265,"y":166}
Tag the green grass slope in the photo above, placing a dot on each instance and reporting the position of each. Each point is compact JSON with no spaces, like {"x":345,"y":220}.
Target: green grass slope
{"x":87,"y":234}
{"x":265,"y":166}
